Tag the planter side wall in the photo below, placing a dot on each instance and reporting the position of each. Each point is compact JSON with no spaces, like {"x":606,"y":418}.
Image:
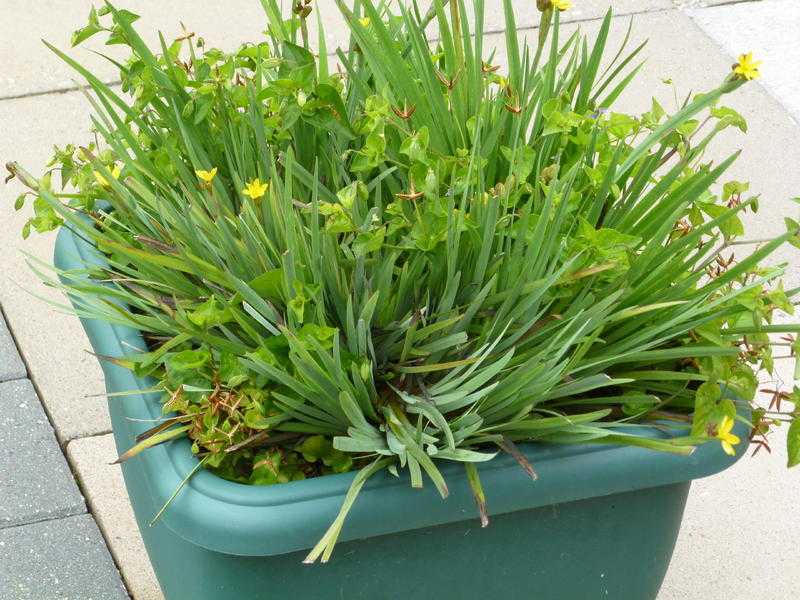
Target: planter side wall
{"x":616,"y":547}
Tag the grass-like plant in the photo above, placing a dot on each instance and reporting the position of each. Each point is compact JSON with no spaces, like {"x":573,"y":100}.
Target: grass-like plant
{"x":408,"y":253}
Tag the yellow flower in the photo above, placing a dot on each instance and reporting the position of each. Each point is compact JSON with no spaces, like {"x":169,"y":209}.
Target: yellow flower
{"x":255,"y":189}
{"x":747,"y":68}
{"x":364,"y":22}
{"x":726,"y":438}
{"x":207,"y":176}
{"x":562,"y":4}
{"x":115,"y":171}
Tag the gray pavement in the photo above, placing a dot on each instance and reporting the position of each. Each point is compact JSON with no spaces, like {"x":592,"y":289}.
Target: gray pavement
{"x":64,"y":559}
{"x":739,"y":538}
{"x":50,"y":546}
{"x":771,"y":30}
{"x":32,"y":69}
{"x":37,"y":482}
{"x":11,"y":366}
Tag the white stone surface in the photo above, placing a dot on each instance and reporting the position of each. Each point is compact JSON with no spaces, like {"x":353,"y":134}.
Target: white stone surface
{"x":29,"y":67}
{"x":52,"y":342}
{"x":740,"y":531}
{"x":706,"y":3}
{"x":771,"y":31}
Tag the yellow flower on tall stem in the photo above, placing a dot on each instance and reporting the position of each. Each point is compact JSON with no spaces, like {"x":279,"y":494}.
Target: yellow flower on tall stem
{"x":747,"y":68}
{"x":562,"y":4}
{"x":255,"y":189}
{"x":206,"y":176}
{"x":726,"y":438}
{"x":115,"y":172}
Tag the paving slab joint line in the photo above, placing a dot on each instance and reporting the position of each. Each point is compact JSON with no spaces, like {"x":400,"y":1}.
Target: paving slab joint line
{"x":728,"y":3}
{"x":102,"y":536}
{"x":31,"y":378}
{"x":78,"y":87}
{"x":88,"y":436}
{"x":772,"y":95}
{"x":646,"y":11}
{"x":10,"y":379}
{"x":59,"y":90}
{"x":48,"y":519}
{"x":4,"y":324}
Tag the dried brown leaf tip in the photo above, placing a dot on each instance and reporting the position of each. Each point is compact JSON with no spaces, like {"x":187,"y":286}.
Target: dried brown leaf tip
{"x":412,"y":194}
{"x":14,"y":170}
{"x":722,"y":265}
{"x":187,"y":35}
{"x":11,"y":167}
{"x":513,"y":105}
{"x":682,"y":227}
{"x":777,"y":398}
{"x":406,"y":112}
{"x":447,"y":82}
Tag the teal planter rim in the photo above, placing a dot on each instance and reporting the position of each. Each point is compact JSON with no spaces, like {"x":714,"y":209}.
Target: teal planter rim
{"x":244,"y":520}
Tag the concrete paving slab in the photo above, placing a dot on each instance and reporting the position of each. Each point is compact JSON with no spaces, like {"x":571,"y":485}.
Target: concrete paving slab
{"x":11,"y":365}
{"x":64,"y":559}
{"x":740,"y":530}
{"x":527,"y":15}
{"x":52,"y":343}
{"x":37,"y":483}
{"x":29,"y":67}
{"x":707,"y":3}
{"x":105,"y":492}
{"x":770,"y":30}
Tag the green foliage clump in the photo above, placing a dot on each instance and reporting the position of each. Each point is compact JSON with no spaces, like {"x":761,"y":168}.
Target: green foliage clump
{"x":414,"y":256}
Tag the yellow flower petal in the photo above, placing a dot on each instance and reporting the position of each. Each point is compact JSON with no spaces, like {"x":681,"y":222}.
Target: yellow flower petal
{"x":725,"y":426}
{"x":562,"y":4}
{"x":207,"y":176}
{"x":726,"y":438}
{"x":747,"y":68}
{"x":364,"y":22}
{"x":115,"y":172}
{"x":255,"y":189}
{"x":732,"y":439}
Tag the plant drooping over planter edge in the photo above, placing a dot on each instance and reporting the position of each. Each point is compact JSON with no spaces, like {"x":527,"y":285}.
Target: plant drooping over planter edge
{"x":415,"y":255}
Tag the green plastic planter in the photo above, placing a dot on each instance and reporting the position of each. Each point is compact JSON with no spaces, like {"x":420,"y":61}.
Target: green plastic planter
{"x":600,"y":522}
